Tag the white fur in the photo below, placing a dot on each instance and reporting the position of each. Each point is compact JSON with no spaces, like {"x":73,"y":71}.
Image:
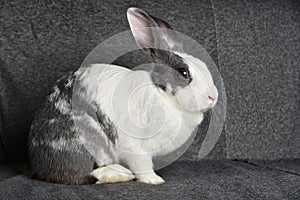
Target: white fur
{"x":60,"y":144}
{"x":112,"y":174}
{"x":63,"y":106}
{"x":194,"y":97}
{"x":149,"y":121}
{"x":54,"y":94}
{"x":150,"y":178}
{"x":51,"y":121}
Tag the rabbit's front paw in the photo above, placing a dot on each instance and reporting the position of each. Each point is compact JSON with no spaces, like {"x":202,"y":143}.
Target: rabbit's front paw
{"x":150,"y":178}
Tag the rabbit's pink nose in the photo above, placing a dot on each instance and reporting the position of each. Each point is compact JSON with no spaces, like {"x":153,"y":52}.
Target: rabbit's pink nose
{"x":211,"y":98}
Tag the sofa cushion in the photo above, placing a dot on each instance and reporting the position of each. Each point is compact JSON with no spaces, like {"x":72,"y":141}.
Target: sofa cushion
{"x":184,"y":180}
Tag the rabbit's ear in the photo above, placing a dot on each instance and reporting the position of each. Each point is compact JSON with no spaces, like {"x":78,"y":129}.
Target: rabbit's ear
{"x":149,"y":32}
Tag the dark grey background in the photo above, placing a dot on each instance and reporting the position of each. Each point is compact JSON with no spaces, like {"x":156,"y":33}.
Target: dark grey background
{"x":255,"y":45}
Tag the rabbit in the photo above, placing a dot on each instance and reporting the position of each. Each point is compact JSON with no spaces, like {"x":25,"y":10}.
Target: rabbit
{"x":105,"y":123}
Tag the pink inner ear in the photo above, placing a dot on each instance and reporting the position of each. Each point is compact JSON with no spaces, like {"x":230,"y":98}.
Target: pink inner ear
{"x":139,"y":26}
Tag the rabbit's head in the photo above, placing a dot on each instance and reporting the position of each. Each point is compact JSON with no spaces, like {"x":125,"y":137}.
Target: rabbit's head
{"x":181,"y":76}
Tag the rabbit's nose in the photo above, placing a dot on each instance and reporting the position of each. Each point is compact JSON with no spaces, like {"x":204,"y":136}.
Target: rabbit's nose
{"x":212,"y":99}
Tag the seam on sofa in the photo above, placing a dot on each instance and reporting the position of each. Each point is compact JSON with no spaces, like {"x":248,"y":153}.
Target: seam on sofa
{"x":218,"y":57}
{"x":265,"y":167}
{"x":2,"y":144}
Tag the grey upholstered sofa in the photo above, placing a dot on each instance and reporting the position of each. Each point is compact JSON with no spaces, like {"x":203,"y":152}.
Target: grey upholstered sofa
{"x":256,"y":47}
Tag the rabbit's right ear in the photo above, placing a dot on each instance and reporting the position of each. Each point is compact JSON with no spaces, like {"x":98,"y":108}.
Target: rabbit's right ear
{"x":149,"y":32}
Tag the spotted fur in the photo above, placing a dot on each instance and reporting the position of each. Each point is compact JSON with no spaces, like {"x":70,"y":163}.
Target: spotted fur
{"x":66,"y":143}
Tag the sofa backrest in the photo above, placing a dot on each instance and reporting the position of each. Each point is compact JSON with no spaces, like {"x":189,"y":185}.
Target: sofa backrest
{"x":255,"y":46}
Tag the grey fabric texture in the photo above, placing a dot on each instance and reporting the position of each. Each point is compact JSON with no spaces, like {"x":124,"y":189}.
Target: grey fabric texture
{"x":258,"y":51}
{"x":184,"y":180}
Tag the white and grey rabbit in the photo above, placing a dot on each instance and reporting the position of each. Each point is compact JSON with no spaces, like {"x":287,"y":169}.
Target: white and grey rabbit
{"x":115,"y":129}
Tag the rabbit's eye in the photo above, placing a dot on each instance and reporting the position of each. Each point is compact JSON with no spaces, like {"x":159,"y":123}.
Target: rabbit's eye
{"x":184,"y":72}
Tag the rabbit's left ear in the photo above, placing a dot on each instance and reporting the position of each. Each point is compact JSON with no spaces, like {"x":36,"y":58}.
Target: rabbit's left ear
{"x":150,"y":32}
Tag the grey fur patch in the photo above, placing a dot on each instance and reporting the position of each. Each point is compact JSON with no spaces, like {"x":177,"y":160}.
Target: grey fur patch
{"x":61,"y":94}
{"x":93,"y":138}
{"x":64,"y":88}
{"x":165,"y":72}
{"x":107,"y":126}
{"x":53,"y":142}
